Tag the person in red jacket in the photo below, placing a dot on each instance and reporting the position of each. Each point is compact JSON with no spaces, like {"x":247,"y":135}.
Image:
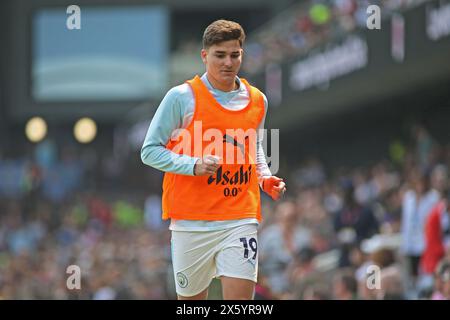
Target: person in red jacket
{"x":434,"y":236}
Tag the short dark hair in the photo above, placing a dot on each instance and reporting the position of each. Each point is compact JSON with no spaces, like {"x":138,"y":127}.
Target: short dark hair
{"x":223,"y":30}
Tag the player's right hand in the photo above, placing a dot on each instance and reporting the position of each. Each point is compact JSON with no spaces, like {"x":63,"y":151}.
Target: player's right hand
{"x":206,"y":166}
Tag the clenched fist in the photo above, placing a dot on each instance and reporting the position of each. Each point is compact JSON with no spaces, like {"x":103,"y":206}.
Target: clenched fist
{"x":206,"y":166}
{"x":274,"y":187}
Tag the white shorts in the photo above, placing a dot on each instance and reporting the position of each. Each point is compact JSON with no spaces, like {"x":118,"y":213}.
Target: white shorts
{"x":198,"y":257}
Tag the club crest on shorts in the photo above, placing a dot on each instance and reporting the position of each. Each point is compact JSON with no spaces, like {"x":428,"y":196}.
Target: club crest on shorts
{"x":182,"y":280}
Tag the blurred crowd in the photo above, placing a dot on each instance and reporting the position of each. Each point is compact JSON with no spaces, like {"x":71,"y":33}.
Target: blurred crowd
{"x":379,"y":231}
{"x":60,"y":206}
{"x":373,"y":232}
{"x":121,"y":252}
{"x":309,"y":24}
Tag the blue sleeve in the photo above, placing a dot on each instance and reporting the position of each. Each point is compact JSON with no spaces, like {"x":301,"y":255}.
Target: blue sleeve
{"x":262,"y":169}
{"x":168,"y":117}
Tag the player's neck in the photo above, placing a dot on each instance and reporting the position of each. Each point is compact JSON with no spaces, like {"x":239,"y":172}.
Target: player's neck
{"x":222,"y":86}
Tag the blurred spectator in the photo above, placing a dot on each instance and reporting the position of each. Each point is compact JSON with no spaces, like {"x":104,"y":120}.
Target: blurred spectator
{"x":424,"y":145}
{"x":417,"y":203}
{"x":392,"y":211}
{"x":317,"y":291}
{"x":392,"y":287}
{"x":302,"y":265}
{"x":345,"y":286}
{"x":437,"y":226}
{"x":152,"y":213}
{"x":442,"y":281}
{"x":382,"y":257}
{"x":353,"y":223}
{"x":439,"y":179}
{"x":313,"y":216}
{"x":262,"y":288}
{"x":280,"y":242}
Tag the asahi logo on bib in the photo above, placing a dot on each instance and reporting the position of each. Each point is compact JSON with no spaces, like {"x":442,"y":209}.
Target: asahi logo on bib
{"x":232,"y":180}
{"x":240,"y":176}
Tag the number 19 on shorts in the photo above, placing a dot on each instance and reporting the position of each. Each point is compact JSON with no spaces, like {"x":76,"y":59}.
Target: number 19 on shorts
{"x":250,"y":243}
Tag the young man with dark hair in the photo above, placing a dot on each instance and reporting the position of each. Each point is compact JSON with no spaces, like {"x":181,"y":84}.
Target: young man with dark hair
{"x":212,"y":201}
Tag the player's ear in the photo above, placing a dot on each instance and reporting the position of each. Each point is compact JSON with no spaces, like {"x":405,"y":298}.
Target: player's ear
{"x":203,"y":54}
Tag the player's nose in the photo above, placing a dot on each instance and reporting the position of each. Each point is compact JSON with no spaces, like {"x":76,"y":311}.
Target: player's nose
{"x":227,"y":62}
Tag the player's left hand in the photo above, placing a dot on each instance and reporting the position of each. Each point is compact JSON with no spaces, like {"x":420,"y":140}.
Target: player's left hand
{"x":274,"y":187}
